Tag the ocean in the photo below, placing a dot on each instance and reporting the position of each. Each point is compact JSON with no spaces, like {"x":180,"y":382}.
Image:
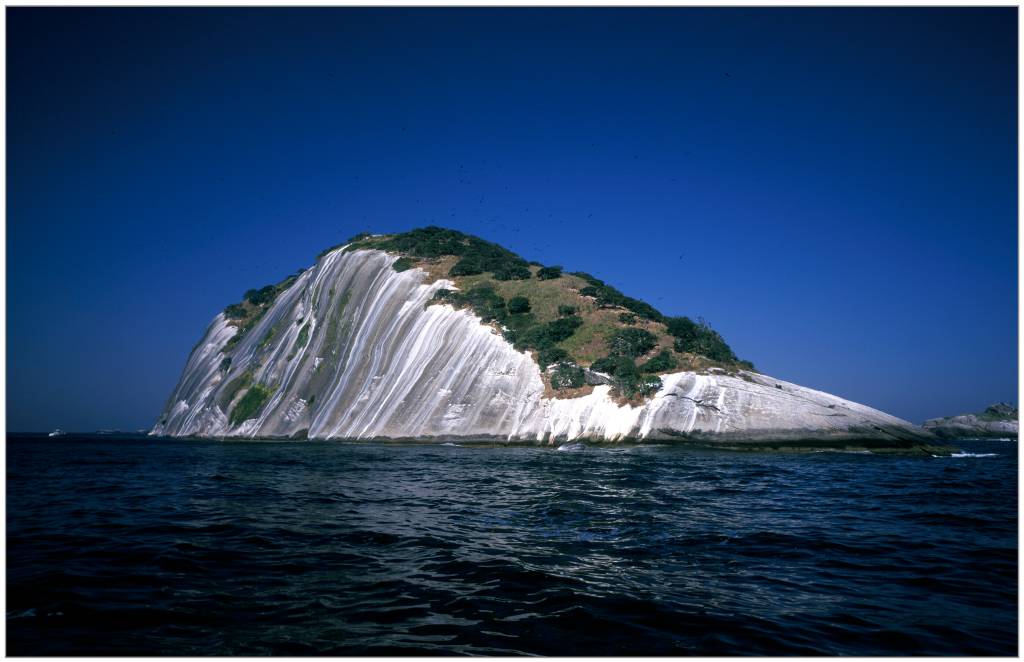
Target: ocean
{"x":128,"y":545}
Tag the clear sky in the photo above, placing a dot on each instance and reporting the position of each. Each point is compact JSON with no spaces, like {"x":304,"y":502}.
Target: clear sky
{"x":832,"y":189}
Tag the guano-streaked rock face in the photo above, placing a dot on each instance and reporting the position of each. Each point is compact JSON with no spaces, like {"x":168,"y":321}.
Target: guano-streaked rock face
{"x":378,"y":362}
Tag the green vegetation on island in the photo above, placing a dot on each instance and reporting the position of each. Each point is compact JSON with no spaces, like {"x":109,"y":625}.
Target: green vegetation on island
{"x":476,"y":255}
{"x":569,"y":320}
{"x":245,"y":314}
{"x":518,"y":305}
{"x":567,"y":375}
{"x":403,"y":264}
{"x":251,"y":403}
{"x":300,"y":341}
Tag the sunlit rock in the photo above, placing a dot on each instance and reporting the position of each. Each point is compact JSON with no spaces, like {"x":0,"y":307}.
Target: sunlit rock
{"x":353,"y":349}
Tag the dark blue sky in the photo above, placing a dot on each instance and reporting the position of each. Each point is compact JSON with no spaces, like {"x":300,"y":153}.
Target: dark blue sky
{"x":833,"y":189}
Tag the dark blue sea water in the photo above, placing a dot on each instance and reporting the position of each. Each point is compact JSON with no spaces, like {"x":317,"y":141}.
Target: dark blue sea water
{"x":119,"y":545}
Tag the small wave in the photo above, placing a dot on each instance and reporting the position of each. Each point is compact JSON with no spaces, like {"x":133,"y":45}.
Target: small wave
{"x":572,"y":447}
{"x":449,"y":443}
{"x":835,"y":450}
{"x":967,"y":455}
{"x":28,"y":613}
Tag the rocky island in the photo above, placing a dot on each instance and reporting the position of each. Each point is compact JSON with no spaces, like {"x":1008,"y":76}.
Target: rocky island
{"x":435,"y":334}
{"x":997,"y":421}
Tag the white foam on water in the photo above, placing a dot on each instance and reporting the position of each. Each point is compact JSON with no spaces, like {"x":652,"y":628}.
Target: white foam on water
{"x":974,"y":454}
{"x":833,"y":450}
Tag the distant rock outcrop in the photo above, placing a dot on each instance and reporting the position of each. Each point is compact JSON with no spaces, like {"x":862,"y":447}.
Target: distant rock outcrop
{"x":997,"y":421}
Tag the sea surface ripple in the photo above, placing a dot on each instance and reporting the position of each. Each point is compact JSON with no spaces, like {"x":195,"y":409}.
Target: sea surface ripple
{"x":121,"y":545}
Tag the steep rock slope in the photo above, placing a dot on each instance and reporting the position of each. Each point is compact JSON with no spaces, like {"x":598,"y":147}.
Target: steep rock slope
{"x":352,"y":348}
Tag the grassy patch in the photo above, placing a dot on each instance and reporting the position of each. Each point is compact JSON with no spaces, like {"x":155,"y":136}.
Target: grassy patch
{"x":334,"y":321}
{"x":545,"y":296}
{"x":269,"y":336}
{"x":300,"y":341}
{"x":227,"y":395}
{"x":251,"y":403}
{"x":331,"y":345}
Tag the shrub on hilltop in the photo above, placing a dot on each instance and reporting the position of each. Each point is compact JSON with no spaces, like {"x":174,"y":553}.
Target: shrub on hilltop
{"x":549,"y":273}
{"x":567,"y":375}
{"x":402,"y":264}
{"x":236,"y":311}
{"x":509,"y":271}
{"x":663,"y":362}
{"x":550,"y":354}
{"x":627,"y":379}
{"x":699,"y":338}
{"x":518,"y":305}
{"x":483,"y":300}
{"x":607,"y":296}
{"x":261,"y":296}
{"x":631,"y":342}
{"x":542,"y":335}
{"x":477,"y":256}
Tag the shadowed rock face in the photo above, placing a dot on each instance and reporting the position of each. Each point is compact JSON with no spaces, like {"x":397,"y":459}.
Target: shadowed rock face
{"x":998,"y":420}
{"x":377,"y":362}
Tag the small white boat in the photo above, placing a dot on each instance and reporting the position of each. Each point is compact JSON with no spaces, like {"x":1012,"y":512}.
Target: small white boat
{"x":56,"y":433}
